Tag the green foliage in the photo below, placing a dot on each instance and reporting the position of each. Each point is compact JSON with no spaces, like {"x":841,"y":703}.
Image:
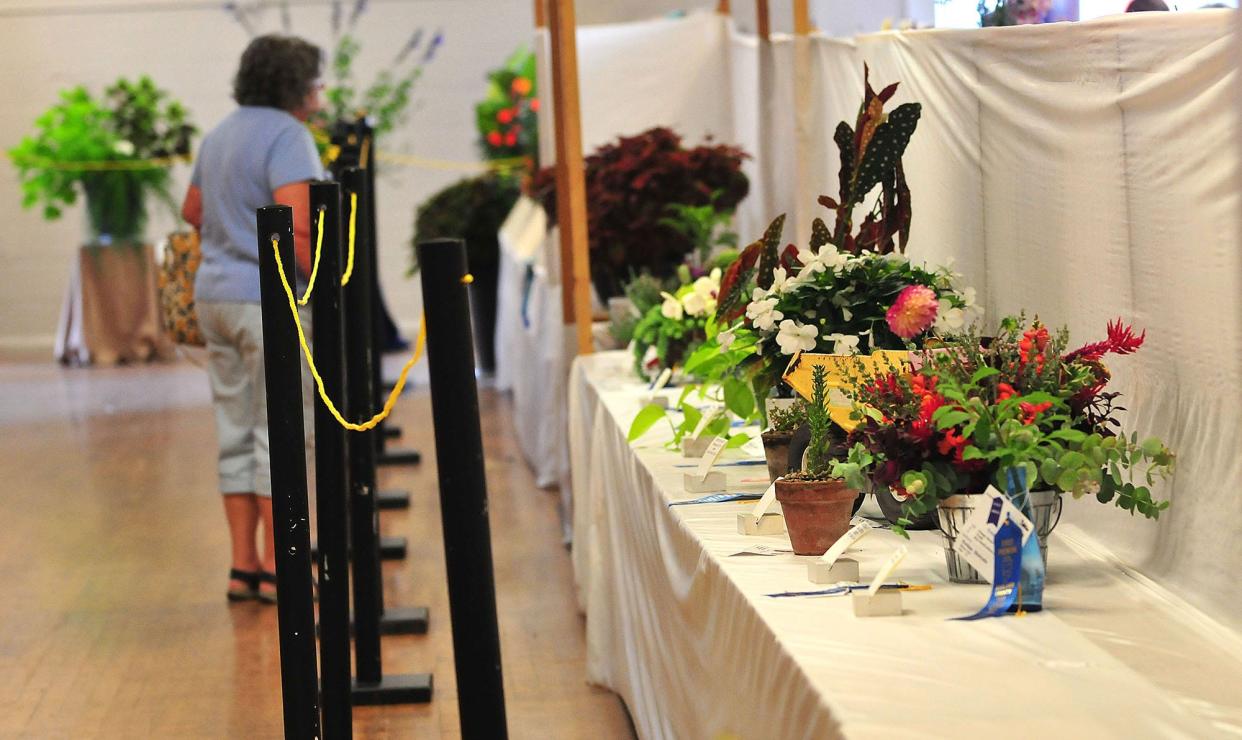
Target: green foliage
{"x":706,"y":226}
{"x":387,"y":98}
{"x":819,"y":455}
{"x":789,"y":418}
{"x":472,"y":209}
{"x":691,"y":416}
{"x":117,"y":149}
{"x":507,"y":117}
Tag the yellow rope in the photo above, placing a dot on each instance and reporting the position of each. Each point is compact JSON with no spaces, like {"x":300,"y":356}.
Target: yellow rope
{"x":364,"y":154}
{"x":310,"y":360}
{"x":353,"y":219}
{"x":100,"y":165}
{"x":310,"y":284}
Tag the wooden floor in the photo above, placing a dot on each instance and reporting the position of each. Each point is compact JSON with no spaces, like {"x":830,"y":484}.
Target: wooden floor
{"x":113,"y":555}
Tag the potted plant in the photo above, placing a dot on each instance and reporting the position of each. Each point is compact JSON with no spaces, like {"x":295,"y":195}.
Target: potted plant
{"x":783,"y":421}
{"x":507,"y":119}
{"x":675,"y":326}
{"x":833,"y":295}
{"x":817,"y":506}
{"x":116,"y":151}
{"x":473,"y":209}
{"x":940,"y":432}
{"x":629,"y":184}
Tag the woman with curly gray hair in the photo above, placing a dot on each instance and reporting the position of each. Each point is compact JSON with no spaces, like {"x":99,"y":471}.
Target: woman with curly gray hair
{"x":261,"y":153}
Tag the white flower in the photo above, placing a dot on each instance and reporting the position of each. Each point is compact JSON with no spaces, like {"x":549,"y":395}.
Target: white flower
{"x":843,"y":344}
{"x":763,"y":314}
{"x":703,"y":299}
{"x":694,"y":303}
{"x":781,"y":281}
{"x":794,"y":337}
{"x":949,"y":319}
{"x":124,"y":148}
{"x":847,"y":314}
{"x":968,"y":297}
{"x":726,"y":339}
{"x":671,"y":308}
{"x":758,"y":294}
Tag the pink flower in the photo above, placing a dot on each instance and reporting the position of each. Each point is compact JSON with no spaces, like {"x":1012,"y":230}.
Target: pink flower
{"x":913,"y":312}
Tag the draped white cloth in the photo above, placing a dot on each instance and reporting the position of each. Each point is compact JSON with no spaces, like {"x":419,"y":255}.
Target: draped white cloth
{"x":1081,"y":172}
{"x":685,"y":634}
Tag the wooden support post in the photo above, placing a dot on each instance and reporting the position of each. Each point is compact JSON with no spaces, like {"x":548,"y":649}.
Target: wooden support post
{"x":570,"y":173}
{"x":722,"y":7}
{"x":763,"y":19}
{"x":541,"y":14}
{"x":802,"y":17}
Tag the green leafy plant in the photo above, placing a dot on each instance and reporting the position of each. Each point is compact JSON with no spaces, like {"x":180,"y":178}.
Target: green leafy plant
{"x":507,"y":118}
{"x":471,"y":209}
{"x":826,"y":445}
{"x":117,"y":150}
{"x":707,"y":227}
{"x":691,"y":417}
{"x":387,"y":99}
{"x":675,"y":326}
{"x":789,"y":418}
{"x":969,"y":413}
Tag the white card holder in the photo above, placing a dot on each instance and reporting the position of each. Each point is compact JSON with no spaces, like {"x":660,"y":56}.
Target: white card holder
{"x":843,"y":570}
{"x":713,"y":482}
{"x":769,"y":523}
{"x":884,"y":603}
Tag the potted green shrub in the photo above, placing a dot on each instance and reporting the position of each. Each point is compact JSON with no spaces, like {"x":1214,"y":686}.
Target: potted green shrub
{"x":473,"y":209}
{"x":817,"y":506}
{"x":783,"y":421}
{"x":116,"y":151}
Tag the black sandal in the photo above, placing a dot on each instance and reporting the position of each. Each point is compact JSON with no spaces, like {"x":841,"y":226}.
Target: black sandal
{"x":264,"y":576}
{"x":252,"y":585}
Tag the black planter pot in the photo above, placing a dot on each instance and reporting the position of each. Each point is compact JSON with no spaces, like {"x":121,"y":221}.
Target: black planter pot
{"x":483,"y":316}
{"x":891,"y":506}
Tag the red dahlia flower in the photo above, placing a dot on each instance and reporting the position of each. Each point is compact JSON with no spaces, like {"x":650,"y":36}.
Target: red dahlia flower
{"x":913,"y":312}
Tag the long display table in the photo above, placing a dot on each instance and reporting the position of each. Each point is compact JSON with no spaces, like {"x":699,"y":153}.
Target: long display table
{"x":681,"y":627}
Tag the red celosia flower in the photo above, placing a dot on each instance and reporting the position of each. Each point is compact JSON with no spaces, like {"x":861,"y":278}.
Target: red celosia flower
{"x":534,"y":104}
{"x":1004,"y":391}
{"x":511,"y":138}
{"x":494,"y":138}
{"x":504,"y":116}
{"x":952,"y":443}
{"x":1121,"y":341}
{"x":1032,"y":410}
{"x":913,"y":312}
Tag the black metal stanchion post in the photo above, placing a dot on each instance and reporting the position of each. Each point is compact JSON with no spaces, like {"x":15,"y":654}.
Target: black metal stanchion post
{"x":332,"y":484}
{"x":287,"y":453}
{"x":463,"y":490}
{"x":371,"y":686}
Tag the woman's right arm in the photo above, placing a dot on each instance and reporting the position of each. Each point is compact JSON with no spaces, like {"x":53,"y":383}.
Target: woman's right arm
{"x":192,"y":208}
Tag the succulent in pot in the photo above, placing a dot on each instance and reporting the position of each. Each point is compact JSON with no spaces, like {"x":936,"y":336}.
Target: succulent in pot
{"x":817,"y":506}
{"x":783,"y":420}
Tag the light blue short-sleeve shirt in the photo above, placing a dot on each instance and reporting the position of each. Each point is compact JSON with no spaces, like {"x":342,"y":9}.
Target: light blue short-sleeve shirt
{"x":240,"y":164}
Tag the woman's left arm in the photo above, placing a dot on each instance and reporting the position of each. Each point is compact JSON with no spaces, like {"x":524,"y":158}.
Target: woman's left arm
{"x":192,"y":208}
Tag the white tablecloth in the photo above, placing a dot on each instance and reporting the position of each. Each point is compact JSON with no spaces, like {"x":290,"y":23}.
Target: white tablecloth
{"x":685,"y":635}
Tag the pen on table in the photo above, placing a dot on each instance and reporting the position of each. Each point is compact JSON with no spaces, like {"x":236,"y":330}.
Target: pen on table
{"x":857,"y":587}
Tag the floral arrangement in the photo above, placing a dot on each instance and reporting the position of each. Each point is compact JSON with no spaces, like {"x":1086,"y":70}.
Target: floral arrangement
{"x":1014,"y":12}
{"x":966,"y":412}
{"x":851,"y":290}
{"x":117,"y":149}
{"x":506,"y":118}
{"x":471,"y":209}
{"x":629,"y":184}
{"x":387,"y":98}
{"x":668,"y":332}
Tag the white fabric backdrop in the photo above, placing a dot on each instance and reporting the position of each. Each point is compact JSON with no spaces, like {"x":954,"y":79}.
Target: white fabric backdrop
{"x":1081,"y":171}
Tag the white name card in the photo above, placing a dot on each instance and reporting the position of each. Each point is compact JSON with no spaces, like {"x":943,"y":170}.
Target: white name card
{"x":887,"y":569}
{"x":843,"y":543}
{"x":764,"y":503}
{"x":714,"y":448}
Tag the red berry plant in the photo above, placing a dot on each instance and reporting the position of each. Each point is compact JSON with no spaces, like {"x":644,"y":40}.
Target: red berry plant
{"x":507,"y":118}
{"x":966,"y":411}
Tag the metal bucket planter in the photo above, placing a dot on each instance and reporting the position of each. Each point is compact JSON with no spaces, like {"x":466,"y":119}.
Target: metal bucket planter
{"x":954,"y":511}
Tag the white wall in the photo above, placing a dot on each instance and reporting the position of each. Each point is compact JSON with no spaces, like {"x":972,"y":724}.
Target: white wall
{"x":192,"y":51}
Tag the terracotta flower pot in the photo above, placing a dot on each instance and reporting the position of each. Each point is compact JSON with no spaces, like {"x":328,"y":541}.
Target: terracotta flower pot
{"x":776,"y":450}
{"x":817,"y":512}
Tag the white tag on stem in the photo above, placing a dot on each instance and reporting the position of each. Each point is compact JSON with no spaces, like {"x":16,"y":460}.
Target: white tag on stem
{"x":708,"y":418}
{"x":843,"y":543}
{"x":887,"y":569}
{"x":710,"y":456}
{"x":661,"y":380}
{"x":761,"y":506}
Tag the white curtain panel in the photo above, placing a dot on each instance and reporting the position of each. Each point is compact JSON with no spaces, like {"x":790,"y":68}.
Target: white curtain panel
{"x":1085,"y":172}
